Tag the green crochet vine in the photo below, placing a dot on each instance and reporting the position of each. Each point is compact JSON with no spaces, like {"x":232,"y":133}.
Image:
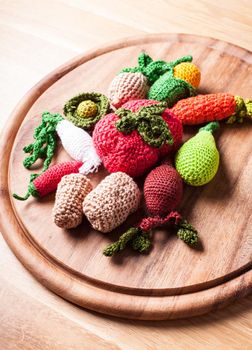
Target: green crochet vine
{"x":140,"y":241}
{"x":45,"y":141}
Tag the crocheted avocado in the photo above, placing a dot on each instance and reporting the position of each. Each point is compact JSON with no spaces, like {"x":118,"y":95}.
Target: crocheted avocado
{"x":84,"y":110}
{"x":197,"y":161}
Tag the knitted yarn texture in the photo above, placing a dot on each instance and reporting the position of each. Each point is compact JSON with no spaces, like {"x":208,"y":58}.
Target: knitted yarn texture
{"x":71,"y":191}
{"x":197,"y":161}
{"x":163,"y":190}
{"x":79,"y":145}
{"x":111,"y":202}
{"x":128,"y":152}
{"x":189,"y":72}
{"x":170,"y":89}
{"x":162,"y":193}
{"x":48,"y":181}
{"x":154,"y":69}
{"x":45,"y":141}
{"x":127,"y":86}
{"x":210,"y":107}
{"x":85,"y":109}
{"x":133,"y":82}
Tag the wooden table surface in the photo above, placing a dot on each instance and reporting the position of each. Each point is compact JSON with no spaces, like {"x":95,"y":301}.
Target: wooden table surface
{"x":36,"y":37}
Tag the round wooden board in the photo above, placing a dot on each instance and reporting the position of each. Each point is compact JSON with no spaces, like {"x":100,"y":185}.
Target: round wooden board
{"x":173,"y":281}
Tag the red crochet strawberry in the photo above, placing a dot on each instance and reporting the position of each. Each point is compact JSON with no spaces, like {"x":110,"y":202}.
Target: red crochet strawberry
{"x":136,"y":136}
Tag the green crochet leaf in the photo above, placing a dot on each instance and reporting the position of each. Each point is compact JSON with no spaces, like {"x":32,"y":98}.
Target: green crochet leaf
{"x":148,"y":122}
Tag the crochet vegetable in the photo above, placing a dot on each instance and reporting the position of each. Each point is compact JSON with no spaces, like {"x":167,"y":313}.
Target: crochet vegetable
{"x":170,"y":88}
{"x":111,"y":202}
{"x":71,"y":191}
{"x":197,"y":161}
{"x":77,"y":143}
{"x":127,"y":86}
{"x":206,"y":108}
{"x":163,"y":189}
{"x":84,"y":110}
{"x":135,"y":137}
{"x":133,"y":83}
{"x":189,"y":72}
{"x":47,"y":182}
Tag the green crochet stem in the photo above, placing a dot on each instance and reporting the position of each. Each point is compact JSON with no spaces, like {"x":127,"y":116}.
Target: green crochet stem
{"x":187,"y":233}
{"x":148,"y":122}
{"x":154,"y":69}
{"x":211,"y":127}
{"x":45,"y":141}
{"x":32,"y":191}
{"x":140,"y":241}
{"x":243,"y":110}
{"x":71,"y":106}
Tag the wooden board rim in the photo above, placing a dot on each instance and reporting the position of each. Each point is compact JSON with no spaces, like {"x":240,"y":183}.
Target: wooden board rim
{"x":34,"y":260}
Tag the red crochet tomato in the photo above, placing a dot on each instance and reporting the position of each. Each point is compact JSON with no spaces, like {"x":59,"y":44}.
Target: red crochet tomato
{"x":129,"y":152}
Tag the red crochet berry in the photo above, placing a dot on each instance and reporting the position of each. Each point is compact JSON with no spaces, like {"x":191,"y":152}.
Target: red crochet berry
{"x":163,"y":190}
{"x":129,"y":153}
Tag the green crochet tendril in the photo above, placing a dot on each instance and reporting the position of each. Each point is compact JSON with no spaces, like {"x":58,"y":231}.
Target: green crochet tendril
{"x":45,"y":141}
{"x":187,"y":233}
{"x":43,"y":147}
{"x":243,"y":110}
{"x":149,"y":123}
{"x":154,"y":69}
{"x":32,"y":191}
{"x":140,"y":241}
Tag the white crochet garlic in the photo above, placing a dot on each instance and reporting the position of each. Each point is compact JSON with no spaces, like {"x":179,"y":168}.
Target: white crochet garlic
{"x":79,"y":145}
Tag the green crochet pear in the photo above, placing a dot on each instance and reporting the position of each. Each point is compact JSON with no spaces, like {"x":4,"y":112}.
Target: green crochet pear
{"x":197,"y":161}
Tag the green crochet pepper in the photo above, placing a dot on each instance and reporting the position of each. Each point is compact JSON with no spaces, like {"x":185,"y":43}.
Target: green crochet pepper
{"x":170,"y":89}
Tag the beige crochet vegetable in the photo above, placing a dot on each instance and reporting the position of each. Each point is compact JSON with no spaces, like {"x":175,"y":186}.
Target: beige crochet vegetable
{"x":110,"y":203}
{"x":71,"y":191}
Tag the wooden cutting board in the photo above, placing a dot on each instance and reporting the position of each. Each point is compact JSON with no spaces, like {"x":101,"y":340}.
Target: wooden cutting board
{"x":173,"y":281}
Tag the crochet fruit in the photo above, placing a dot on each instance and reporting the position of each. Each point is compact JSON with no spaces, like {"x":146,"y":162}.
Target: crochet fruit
{"x":197,"y":161}
{"x":163,"y":189}
{"x":189,"y":72}
{"x":85,"y":109}
{"x":127,"y":86}
{"x":134,"y":138}
{"x":47,"y":182}
{"x":206,"y":108}
{"x":134,"y":82}
{"x":130,"y":141}
{"x":170,"y":88}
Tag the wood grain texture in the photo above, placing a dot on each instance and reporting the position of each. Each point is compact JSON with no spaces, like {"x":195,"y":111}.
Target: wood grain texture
{"x":121,"y":286}
{"x":29,"y":50}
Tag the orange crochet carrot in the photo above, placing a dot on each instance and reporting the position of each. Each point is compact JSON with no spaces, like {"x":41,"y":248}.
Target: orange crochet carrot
{"x":206,"y":108}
